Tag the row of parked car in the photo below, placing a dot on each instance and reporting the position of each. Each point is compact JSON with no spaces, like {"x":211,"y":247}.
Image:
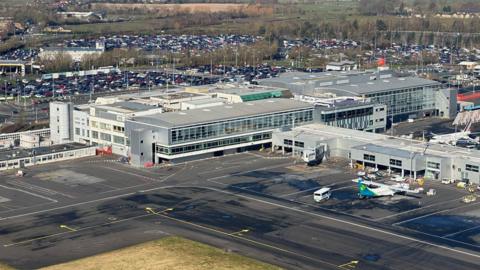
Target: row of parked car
{"x":119,"y":81}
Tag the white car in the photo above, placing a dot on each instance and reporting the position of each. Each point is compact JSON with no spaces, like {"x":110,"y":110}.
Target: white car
{"x":447,"y":181}
{"x":397,"y":178}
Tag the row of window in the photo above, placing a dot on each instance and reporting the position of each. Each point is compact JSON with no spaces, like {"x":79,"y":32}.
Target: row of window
{"x":396,"y":162}
{"x":472,"y":168}
{"x":212,"y":144}
{"x":406,"y":100}
{"x":331,"y":116}
{"x":368,"y":157}
{"x":180,"y":135}
{"x":27,"y":161}
{"x":108,"y":137}
{"x":433,"y":165}
{"x":297,"y":143}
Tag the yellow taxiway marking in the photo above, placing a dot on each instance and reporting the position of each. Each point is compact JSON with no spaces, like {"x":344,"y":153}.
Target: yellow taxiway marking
{"x":150,"y":210}
{"x":349,"y":265}
{"x":72,"y":231}
{"x":68,"y":228}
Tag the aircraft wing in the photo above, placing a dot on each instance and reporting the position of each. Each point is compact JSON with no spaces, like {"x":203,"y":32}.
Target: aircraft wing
{"x":398,"y":189}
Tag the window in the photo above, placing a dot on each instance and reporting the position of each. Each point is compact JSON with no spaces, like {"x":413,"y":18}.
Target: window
{"x":94,"y":134}
{"x":368,"y":157}
{"x":118,"y":139}
{"x":433,"y":165}
{"x":472,"y":168}
{"x":396,"y":162}
{"x":106,"y":137}
{"x":77,"y":131}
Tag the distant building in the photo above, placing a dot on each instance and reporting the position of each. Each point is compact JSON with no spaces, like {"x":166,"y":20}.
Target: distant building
{"x":13,"y":66}
{"x":80,"y":15}
{"x":405,"y":97}
{"x":76,"y":53}
{"x":341,"y":66}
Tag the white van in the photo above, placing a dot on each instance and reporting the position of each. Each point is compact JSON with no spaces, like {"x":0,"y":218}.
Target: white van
{"x":322,"y":194}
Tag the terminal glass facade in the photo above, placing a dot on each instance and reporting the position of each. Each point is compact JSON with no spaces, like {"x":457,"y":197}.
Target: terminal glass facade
{"x":348,"y":118}
{"x":239,"y":126}
{"x":407,"y":100}
{"x":175,"y":150}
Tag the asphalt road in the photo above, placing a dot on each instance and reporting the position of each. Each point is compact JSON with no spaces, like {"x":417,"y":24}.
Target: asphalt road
{"x":55,"y":215}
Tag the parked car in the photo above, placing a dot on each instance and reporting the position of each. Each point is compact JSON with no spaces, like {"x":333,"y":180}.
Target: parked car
{"x":397,"y":178}
{"x":447,"y":181}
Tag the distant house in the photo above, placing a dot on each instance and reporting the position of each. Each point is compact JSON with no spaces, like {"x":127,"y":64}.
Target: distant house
{"x":56,"y":29}
{"x":80,"y":15}
{"x":6,"y":26}
{"x":467,"y":65}
{"x":341,"y":66}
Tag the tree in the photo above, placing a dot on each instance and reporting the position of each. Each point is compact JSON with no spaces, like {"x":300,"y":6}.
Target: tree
{"x":57,"y":63}
{"x":381,"y":25}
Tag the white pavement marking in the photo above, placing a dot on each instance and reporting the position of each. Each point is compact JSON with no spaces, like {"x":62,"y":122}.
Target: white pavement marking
{"x":269,"y":203}
{"x":434,"y":213}
{"x":444,"y":238}
{"x":75,"y":231}
{"x":332,"y":219}
{"x":30,"y":193}
{"x":297,"y":192}
{"x":130,"y":173}
{"x":462,"y":231}
{"x":416,"y":209}
{"x":112,"y":188}
{"x":39,"y":189}
{"x":219,"y":169}
{"x":67,"y":206}
{"x":253,"y":170}
{"x":124,"y":188}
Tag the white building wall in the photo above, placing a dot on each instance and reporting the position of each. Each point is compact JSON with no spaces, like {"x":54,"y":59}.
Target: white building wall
{"x":61,"y":122}
{"x":17,"y":163}
{"x":106,"y":132}
{"x":81,"y":127}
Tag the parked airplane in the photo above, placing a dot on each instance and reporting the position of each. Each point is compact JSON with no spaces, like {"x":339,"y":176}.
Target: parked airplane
{"x":370,"y":189}
{"x":452,"y":138}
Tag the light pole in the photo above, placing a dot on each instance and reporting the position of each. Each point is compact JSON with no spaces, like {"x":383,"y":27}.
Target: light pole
{"x":293,"y":135}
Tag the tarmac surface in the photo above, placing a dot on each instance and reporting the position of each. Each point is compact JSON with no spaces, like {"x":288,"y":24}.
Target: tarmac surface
{"x":251,"y":203}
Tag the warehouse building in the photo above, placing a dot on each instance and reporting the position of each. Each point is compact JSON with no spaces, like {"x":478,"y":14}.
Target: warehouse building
{"x":406,"y":157}
{"x":213,"y":131}
{"x":405,"y":97}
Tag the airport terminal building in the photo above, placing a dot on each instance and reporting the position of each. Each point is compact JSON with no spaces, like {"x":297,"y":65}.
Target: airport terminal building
{"x":406,"y":157}
{"x":405,"y":97}
{"x":213,"y":131}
